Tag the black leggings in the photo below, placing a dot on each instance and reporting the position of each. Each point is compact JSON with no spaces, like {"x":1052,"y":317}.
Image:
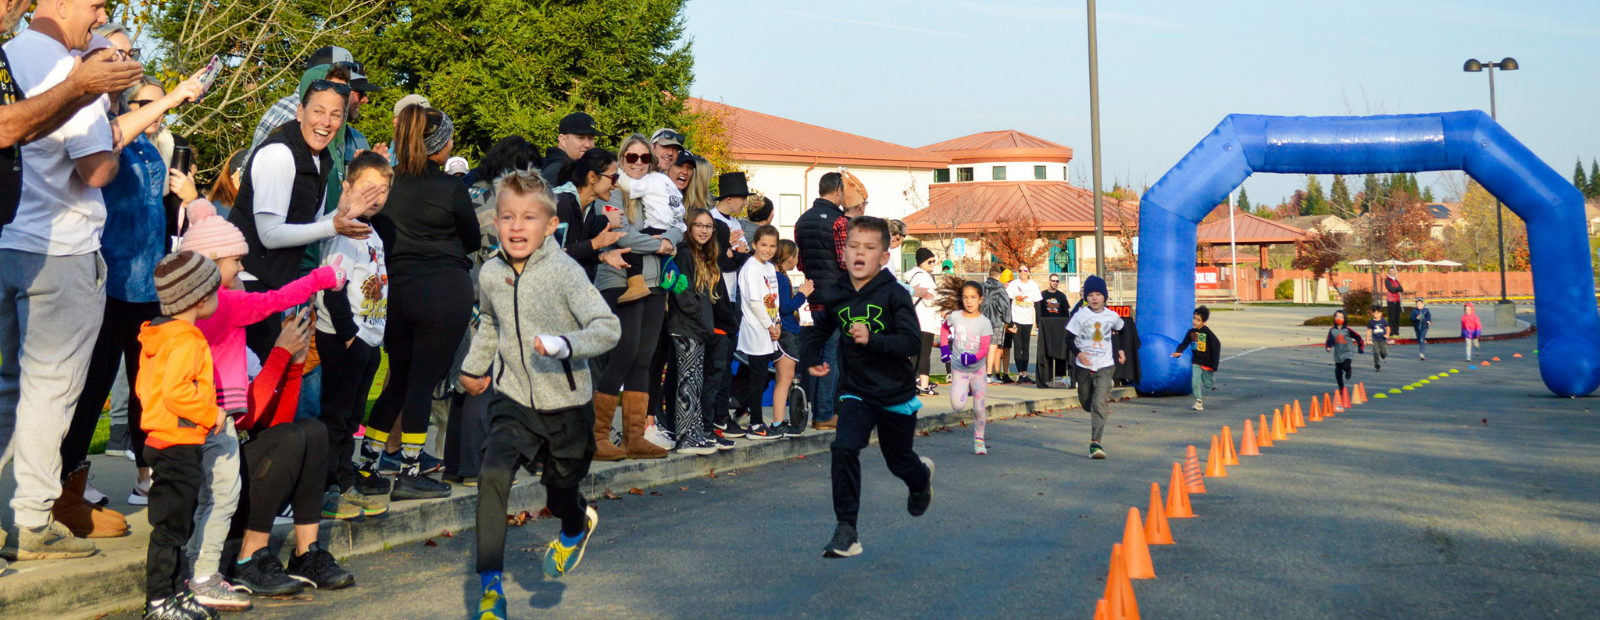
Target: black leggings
{"x":284,"y":464}
{"x":1341,"y":372}
{"x":924,"y":358}
{"x":347,"y":374}
{"x":1023,"y":339}
{"x":1394,"y":318}
{"x":757,"y":374}
{"x":428,"y":316}
{"x":629,"y":363}
{"x":119,"y":338}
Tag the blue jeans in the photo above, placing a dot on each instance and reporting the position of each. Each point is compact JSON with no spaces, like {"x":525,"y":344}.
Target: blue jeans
{"x":310,"y":395}
{"x":1422,"y":341}
{"x":821,"y":390}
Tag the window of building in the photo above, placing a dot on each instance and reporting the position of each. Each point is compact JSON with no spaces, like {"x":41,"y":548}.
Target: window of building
{"x":1064,"y":173}
{"x":941,"y":176}
{"x":788,"y":209}
{"x":1038,"y":173}
{"x":963,"y":175}
{"x":999,"y":173}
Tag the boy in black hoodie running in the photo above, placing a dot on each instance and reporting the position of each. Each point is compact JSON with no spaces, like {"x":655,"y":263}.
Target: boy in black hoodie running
{"x":879,"y":335}
{"x":1207,"y":356}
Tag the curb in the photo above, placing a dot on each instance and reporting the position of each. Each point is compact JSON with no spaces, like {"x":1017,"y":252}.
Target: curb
{"x":119,"y":585}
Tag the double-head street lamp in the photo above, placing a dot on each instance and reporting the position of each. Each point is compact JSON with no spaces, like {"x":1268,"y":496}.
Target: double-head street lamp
{"x":1473,"y":66}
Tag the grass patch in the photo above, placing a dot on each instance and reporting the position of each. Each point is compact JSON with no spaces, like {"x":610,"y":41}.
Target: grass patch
{"x":102,"y":433}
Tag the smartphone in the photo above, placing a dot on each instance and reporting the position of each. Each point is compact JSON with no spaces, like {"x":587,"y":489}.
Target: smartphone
{"x":208,"y":77}
{"x":183,"y":159}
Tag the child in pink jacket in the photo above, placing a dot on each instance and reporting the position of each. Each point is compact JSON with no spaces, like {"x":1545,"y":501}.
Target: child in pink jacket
{"x":211,"y":236}
{"x":1471,"y":329}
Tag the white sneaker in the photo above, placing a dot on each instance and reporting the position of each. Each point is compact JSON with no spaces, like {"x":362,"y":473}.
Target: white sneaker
{"x":1198,"y":406}
{"x":141,"y":493}
{"x":92,"y":495}
{"x":654,"y":434}
{"x":130,"y":455}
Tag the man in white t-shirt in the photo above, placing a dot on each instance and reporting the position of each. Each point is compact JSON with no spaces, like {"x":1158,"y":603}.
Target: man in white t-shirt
{"x":52,"y":281}
{"x":1093,"y":327}
{"x":1024,"y":292}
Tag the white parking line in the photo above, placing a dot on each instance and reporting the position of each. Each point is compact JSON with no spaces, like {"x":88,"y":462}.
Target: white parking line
{"x":1243,"y":354}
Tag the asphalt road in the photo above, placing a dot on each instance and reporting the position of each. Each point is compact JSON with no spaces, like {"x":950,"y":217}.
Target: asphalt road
{"x":1473,"y":497}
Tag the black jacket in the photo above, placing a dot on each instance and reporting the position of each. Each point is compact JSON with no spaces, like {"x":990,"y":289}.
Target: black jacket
{"x":1207,"y":347}
{"x":879,"y":372}
{"x":554,"y":160}
{"x":580,"y":226}
{"x":813,"y":234}
{"x":275,"y":268}
{"x":435,"y":225}
{"x":689,"y":314}
{"x":728,"y":313}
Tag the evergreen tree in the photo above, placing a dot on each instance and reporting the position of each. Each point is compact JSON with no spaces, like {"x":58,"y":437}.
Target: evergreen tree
{"x":1579,"y":180}
{"x":1314,"y":202}
{"x":1244,"y":201}
{"x":1372,"y":193}
{"x":1339,"y":198}
{"x":1427,"y":194}
{"x":1594,"y":179}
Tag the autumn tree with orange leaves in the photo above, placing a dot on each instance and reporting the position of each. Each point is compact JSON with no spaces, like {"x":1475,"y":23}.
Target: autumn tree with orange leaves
{"x":1014,"y":240}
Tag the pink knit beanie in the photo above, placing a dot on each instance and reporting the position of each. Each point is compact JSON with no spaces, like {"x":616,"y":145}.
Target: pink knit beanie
{"x":210,"y":235}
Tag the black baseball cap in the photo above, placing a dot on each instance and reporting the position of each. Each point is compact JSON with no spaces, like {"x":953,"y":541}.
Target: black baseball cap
{"x":685,"y":158}
{"x":578,"y":124}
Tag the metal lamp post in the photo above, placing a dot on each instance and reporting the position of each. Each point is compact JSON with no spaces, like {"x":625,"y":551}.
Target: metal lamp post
{"x":1094,"y":148}
{"x":1505,"y":312}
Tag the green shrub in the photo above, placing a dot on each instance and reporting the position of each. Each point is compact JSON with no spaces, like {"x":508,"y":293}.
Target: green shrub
{"x":1285,"y":290}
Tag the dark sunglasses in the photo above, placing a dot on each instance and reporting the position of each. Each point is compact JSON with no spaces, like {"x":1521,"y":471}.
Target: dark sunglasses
{"x":613,"y":176}
{"x":634,"y":158}
{"x":1054,"y":281}
{"x":669,"y":135}
{"x":322,"y":85}
{"x":133,"y":54}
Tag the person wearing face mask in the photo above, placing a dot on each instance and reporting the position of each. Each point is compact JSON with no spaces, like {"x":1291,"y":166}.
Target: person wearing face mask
{"x":281,"y":200}
{"x":1345,"y":344}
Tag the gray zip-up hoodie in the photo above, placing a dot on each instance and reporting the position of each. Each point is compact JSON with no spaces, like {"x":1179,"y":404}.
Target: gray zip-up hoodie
{"x":551,"y":297}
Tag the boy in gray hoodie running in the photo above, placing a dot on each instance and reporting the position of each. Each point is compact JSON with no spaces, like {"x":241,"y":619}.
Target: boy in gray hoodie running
{"x":1345,"y":343}
{"x":542,"y":319}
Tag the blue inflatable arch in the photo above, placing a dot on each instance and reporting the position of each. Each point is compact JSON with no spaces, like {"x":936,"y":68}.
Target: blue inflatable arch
{"x":1558,"y":242}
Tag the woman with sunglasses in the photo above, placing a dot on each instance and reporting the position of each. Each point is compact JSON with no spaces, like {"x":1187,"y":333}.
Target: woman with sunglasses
{"x":281,"y":198}
{"x":654,"y":207}
{"x":430,"y":292}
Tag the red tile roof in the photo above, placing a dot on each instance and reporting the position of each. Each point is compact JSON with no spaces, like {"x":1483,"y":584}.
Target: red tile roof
{"x":1000,"y":146}
{"x":755,"y":136}
{"x":1249,"y":229}
{"x":1056,"y":205}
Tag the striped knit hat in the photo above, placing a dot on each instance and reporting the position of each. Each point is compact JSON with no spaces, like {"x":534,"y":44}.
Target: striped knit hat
{"x":184,"y":279}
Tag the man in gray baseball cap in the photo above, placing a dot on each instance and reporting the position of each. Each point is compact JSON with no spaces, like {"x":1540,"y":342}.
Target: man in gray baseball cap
{"x":665,"y":144}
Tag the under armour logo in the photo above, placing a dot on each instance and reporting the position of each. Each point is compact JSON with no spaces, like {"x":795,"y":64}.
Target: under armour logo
{"x":873,"y":319}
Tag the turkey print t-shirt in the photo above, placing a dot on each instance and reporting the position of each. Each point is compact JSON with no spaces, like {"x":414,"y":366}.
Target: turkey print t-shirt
{"x":1092,"y":333}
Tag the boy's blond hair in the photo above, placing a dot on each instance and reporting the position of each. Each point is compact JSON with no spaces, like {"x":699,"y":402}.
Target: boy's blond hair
{"x":525,"y":183}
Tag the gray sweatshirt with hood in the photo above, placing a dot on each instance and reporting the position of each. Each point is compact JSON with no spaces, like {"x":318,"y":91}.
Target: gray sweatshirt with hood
{"x":551,"y":297}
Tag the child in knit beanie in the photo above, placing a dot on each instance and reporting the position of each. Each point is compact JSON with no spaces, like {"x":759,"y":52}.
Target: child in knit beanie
{"x":212,"y":236}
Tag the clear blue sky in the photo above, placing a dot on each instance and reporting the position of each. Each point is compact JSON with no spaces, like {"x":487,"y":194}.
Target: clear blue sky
{"x":916,"y":72}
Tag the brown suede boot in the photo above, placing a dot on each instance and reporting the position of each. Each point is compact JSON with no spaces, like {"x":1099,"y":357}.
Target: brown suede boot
{"x":636,"y":290}
{"x":634,"y":414}
{"x":605,"y":406}
{"x":82,"y":518}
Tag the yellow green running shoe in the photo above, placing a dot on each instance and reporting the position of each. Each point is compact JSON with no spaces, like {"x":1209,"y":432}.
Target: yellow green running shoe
{"x":561,"y":559}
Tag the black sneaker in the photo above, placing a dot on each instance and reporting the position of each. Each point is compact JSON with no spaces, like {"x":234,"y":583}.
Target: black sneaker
{"x":412,"y":485}
{"x":723,"y":443}
{"x":189,"y":605}
{"x":1095,"y":451}
{"x":1024,"y":379}
{"x":316,"y":568}
{"x":180,"y":607}
{"x":370,"y":483}
{"x":844,"y":543}
{"x":700,"y":447}
{"x":917,"y":503}
{"x":792,"y":430}
{"x":762,"y":431}
{"x":730,"y":429}
{"x":263,"y":576}
{"x":1006,"y":379}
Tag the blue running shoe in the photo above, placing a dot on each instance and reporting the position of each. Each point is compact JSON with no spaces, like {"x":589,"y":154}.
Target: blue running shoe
{"x":428,"y":463}
{"x":561,"y":559}
{"x":493,"y":604}
{"x":389,"y":464}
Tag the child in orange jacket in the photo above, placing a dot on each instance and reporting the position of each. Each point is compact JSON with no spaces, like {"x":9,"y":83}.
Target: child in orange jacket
{"x":176,"y":388}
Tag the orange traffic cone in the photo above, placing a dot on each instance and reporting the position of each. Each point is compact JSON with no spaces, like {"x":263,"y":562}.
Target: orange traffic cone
{"x":1516,"y":355}
{"x":1288,"y":420}
{"x":1119,"y":589}
{"x":1134,"y":549}
{"x":1277,"y":426}
{"x":1193,"y":477}
{"x":1495,"y":358}
{"x":1101,"y":610}
{"x":1214,"y":467}
{"x":1156,"y":530}
{"x":1247,"y":444}
{"x":1228,"y":456}
{"x":1338,"y":401}
{"x":1177,"y":498}
{"x":1327,"y":406}
{"x":1486,"y":363}
{"x":1316,"y":410}
{"x":1361,"y":393}
{"x":1264,"y":436}
{"x":1299,"y":416}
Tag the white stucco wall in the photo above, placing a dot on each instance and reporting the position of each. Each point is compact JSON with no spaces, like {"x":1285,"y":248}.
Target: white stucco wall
{"x":1015,"y":170}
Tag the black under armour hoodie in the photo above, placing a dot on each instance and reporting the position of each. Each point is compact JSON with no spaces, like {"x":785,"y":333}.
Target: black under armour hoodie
{"x":879,"y":372}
